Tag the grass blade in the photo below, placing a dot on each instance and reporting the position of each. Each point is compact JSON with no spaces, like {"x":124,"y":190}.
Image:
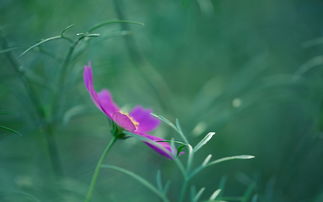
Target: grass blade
{"x":159,"y":181}
{"x":207,"y":160}
{"x":199,"y":194}
{"x":74,"y":111}
{"x":40,"y":43}
{"x":139,"y":179}
{"x":205,"y":140}
{"x":193,"y":192}
{"x":199,"y":169}
{"x":248,"y":193}
{"x":215,"y":194}
{"x":163,"y":119}
{"x":166,"y":188}
{"x":10,"y":130}
{"x":180,"y":132}
{"x":176,"y":127}
{"x":240,"y":157}
{"x":102,"y":24}
{"x":7,"y":50}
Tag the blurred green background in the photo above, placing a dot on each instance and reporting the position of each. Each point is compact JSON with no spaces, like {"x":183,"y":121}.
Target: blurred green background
{"x":250,"y":70}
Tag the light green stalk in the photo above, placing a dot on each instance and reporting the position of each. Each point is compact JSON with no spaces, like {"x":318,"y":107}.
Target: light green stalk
{"x":95,"y":175}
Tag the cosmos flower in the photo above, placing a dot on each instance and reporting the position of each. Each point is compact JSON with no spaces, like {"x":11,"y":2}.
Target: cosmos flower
{"x":139,"y":121}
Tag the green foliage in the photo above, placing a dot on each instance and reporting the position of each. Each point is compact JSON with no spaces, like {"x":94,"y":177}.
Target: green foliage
{"x":9,"y":130}
{"x":139,"y":179}
{"x":186,"y":170}
{"x":252,"y":75}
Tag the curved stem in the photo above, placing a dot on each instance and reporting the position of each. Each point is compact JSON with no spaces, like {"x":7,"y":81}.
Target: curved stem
{"x":61,"y":80}
{"x":98,"y":167}
{"x":39,"y":110}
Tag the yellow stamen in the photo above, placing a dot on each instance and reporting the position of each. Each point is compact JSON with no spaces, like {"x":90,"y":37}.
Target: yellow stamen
{"x":133,"y":121}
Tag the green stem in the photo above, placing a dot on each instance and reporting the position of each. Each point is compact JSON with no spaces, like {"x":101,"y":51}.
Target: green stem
{"x":98,"y":167}
{"x":53,"y":151}
{"x":61,"y":79}
{"x":40,"y":113}
{"x":183,"y":190}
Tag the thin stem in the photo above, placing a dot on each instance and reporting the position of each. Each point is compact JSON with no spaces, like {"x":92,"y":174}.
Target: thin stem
{"x":183,"y":190}
{"x":40,"y":113}
{"x":53,"y":151}
{"x":27,"y":84}
{"x":98,"y":167}
{"x":62,"y":76}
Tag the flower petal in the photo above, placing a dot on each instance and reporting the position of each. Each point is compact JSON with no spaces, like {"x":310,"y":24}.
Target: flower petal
{"x":165,"y":145}
{"x":107,"y":103}
{"x":103,"y":99}
{"x":146,"y":121}
{"x":123,"y":121}
{"x":88,"y":80}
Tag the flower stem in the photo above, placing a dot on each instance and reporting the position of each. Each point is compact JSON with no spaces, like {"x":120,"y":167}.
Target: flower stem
{"x":39,"y":110}
{"x":98,"y":167}
{"x":53,"y":150}
{"x":183,"y":190}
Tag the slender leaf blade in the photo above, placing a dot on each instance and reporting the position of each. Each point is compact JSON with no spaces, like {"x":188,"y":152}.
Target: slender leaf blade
{"x":10,"y":130}
{"x":207,"y":160}
{"x":239,"y":157}
{"x":102,"y":24}
{"x":204,"y":141}
{"x":215,"y":194}
{"x":139,"y":179}
{"x":199,"y":194}
{"x":159,"y":180}
{"x":180,"y":131}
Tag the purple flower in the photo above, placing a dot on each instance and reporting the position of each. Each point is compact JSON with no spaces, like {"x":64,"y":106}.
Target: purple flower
{"x":139,"y":121}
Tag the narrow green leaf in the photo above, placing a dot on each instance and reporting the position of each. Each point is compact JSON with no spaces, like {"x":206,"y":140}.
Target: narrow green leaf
{"x":10,"y":130}
{"x":205,"y":140}
{"x":173,"y":155}
{"x":207,"y":160}
{"x":40,"y":43}
{"x":159,"y":181}
{"x":223,"y":182}
{"x":240,"y":157}
{"x":199,"y":194}
{"x":177,"y":128}
{"x":215,"y":194}
{"x":248,"y":193}
{"x":65,"y":29}
{"x":180,"y":131}
{"x":7,"y":50}
{"x":199,"y":169}
{"x":74,"y":111}
{"x":102,"y":24}
{"x":192,"y":192}
{"x":139,"y":179}
{"x":254,"y":198}
{"x":162,"y":118}
{"x":166,"y":188}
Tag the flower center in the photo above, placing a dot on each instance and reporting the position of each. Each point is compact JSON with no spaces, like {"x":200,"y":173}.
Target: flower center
{"x":133,"y":121}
